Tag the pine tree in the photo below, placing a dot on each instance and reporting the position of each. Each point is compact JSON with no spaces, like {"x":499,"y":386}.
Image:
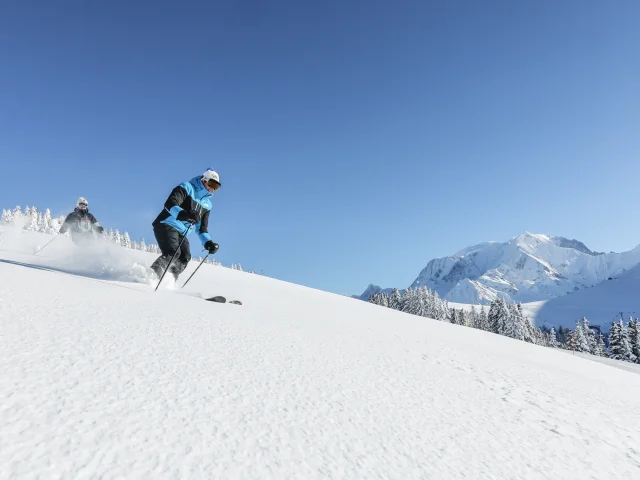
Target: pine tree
{"x":581,"y":344}
{"x":619,"y":342}
{"x":17,"y":214}
{"x":483,"y":323}
{"x":408,"y":301}
{"x":600,"y":348}
{"x":552,"y":340}
{"x":627,"y":354}
{"x":395,"y":300}
{"x":568,"y":339}
{"x":634,"y":338}
{"x":494,"y":314}
{"x":380,"y":298}
{"x":143,"y":245}
{"x":31,"y":215}
{"x":428,"y":303}
{"x":589,"y":334}
{"x":473,"y":317}
{"x":463,"y":318}
{"x":512,"y":325}
{"x":126,"y":240}
{"x":47,"y":222}
{"x":7,"y":217}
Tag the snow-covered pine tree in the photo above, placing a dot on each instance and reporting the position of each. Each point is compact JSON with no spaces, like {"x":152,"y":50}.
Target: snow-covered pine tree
{"x":47,"y":223}
{"x":419,"y":305}
{"x":552,"y":340}
{"x":597,"y":349}
{"x":452,"y":316}
{"x":627,"y":354}
{"x":568,"y":339}
{"x":483,"y":320}
{"x":589,"y":334}
{"x":615,"y":340}
{"x":498,"y":316}
{"x":466,"y":318}
{"x":619,"y":342}
{"x":143,"y":245}
{"x":494,"y":316}
{"x":379,"y":298}
{"x":538,"y":336}
{"x":31,"y":214}
{"x":427,"y":302}
{"x":26,"y":216}
{"x":600,"y":348}
{"x":473,"y":317}
{"x":512,"y":324}
{"x":17,"y":214}
{"x":117,"y":238}
{"x":126,"y":240}
{"x":395,"y":300}
{"x":408,"y":304}
{"x":581,"y":344}
{"x":633,"y":330}
{"x":444,"y":307}
{"x":7,"y":217}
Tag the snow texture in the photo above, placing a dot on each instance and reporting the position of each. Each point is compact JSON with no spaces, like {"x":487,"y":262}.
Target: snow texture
{"x":103,"y":378}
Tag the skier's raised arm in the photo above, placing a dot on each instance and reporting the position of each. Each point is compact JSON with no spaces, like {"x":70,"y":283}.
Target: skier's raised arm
{"x":67,"y":224}
{"x":94,"y":222}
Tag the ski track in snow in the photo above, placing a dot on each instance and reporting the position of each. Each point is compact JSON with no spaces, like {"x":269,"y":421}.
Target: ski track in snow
{"x":106,"y":382}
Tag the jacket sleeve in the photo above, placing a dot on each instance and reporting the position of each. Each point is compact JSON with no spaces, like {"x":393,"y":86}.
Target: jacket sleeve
{"x":94,"y":223}
{"x":203,"y":231}
{"x":176,"y":198}
{"x":67,"y":223}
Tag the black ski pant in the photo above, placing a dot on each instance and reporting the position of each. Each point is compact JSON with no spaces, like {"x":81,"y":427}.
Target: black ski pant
{"x":168,"y":239}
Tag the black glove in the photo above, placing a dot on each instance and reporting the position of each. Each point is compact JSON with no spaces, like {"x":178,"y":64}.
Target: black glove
{"x":211,"y":246}
{"x":191,"y":217}
{"x":100,"y":229}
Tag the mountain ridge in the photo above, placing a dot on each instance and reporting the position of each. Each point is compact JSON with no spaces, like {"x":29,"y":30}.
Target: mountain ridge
{"x":528,"y":267}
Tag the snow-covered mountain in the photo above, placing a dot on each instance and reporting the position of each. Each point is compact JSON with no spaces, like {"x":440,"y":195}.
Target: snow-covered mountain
{"x":104,"y":378}
{"x":529,"y":267}
{"x":372,"y":290}
{"x":601,"y":304}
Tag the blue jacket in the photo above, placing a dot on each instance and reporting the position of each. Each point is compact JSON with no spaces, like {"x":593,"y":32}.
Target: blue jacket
{"x":191,"y":196}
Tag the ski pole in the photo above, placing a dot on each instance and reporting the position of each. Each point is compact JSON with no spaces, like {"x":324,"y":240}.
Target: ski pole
{"x":40,"y":249}
{"x":174,"y":257}
{"x":194,"y":272}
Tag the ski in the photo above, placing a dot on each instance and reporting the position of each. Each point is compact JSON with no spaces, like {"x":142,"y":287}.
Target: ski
{"x":221,"y":299}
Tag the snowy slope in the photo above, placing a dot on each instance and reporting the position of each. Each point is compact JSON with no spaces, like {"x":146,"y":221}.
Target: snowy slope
{"x":103,"y":378}
{"x":600,"y":304}
{"x":528,"y":268}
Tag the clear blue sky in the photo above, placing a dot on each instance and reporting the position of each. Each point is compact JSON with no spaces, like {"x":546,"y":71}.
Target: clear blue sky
{"x":355,"y":140}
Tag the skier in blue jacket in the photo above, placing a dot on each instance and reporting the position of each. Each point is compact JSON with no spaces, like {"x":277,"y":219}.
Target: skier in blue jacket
{"x":187,"y":207}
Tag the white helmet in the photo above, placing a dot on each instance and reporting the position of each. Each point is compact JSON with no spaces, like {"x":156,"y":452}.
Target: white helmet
{"x":211,"y":174}
{"x":82,"y":203}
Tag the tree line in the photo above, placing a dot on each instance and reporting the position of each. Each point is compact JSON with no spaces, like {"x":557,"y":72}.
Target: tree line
{"x":508,"y":319}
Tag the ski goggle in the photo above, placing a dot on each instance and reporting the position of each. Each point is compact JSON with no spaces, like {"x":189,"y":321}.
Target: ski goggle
{"x":213,"y":184}
{"x":82,"y":204}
